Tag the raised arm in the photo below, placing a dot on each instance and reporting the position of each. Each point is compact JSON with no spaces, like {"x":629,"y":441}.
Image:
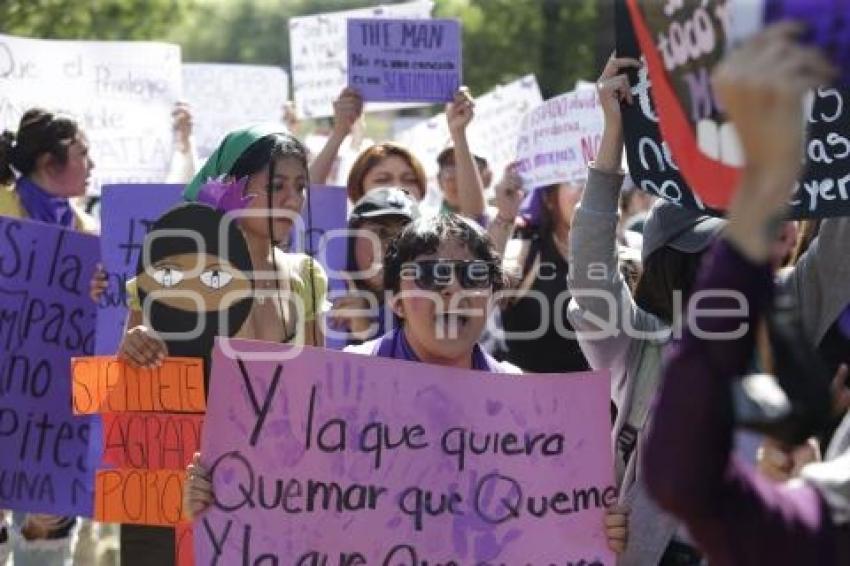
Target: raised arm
{"x":470,"y":188}
{"x":347,"y":110}
{"x":735,"y":515}
{"x":600,"y":295}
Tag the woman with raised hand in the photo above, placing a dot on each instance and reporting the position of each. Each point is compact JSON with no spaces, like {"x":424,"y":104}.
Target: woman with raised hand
{"x":626,"y":332}
{"x":538,"y":259}
{"x":442,"y":272}
{"x":734,"y":514}
{"x":290,"y":293}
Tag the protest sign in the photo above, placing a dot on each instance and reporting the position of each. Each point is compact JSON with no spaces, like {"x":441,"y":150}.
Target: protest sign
{"x":696,"y":136}
{"x":319,"y":55}
{"x":46,"y":318}
{"x":325,"y":219}
{"x":405,"y":60}
{"x":330,"y":454}
{"x":148,"y":437}
{"x":559,"y":139}
{"x":126,"y":214}
{"x":492,"y":134}
{"x":150,"y":441}
{"x":108,"y":384}
{"x":121,"y":92}
{"x":225,"y":97}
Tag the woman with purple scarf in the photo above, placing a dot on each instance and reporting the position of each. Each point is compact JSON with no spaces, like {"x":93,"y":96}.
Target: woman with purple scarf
{"x":42,"y":166}
{"x":442,"y":272}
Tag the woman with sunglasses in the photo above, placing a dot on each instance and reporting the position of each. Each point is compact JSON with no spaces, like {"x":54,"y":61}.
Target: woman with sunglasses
{"x":442,"y":272}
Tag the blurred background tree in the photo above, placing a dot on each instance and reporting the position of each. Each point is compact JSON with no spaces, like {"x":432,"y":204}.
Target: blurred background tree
{"x":560,"y":41}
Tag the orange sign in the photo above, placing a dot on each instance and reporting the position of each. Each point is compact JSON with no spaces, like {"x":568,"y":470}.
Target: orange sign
{"x":139,"y":497}
{"x":105,"y":384}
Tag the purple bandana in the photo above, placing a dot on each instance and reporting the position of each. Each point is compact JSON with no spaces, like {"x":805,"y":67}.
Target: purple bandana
{"x":42,"y":206}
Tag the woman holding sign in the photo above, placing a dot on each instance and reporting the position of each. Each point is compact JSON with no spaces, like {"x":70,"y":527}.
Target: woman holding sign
{"x":271,"y":169}
{"x":443,"y":273}
{"x":42,"y":167}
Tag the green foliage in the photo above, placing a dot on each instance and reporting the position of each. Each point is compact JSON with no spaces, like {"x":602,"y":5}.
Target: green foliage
{"x":557,"y":40}
{"x":92,"y":19}
{"x":506,"y":39}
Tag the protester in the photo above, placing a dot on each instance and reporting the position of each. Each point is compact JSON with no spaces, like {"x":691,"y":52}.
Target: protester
{"x":295,"y":283}
{"x":44,"y":165}
{"x":391,"y":165}
{"x":442,"y":271}
{"x":374,"y":222}
{"x":626,"y":333}
{"x":386,"y":165}
{"x":538,"y":306}
{"x":736,"y":516}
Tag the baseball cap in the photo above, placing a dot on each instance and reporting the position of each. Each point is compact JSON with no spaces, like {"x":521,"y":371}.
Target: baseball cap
{"x":680,"y":228}
{"x":384,"y":201}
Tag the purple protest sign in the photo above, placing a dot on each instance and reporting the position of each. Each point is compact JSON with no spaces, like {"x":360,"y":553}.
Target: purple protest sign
{"x":324,"y":218}
{"x":404,"y":60}
{"x":47,"y":318}
{"x":316,"y":454}
{"x":126,"y":213}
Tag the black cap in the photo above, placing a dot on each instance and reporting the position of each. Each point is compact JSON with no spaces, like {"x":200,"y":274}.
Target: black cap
{"x":385,"y":201}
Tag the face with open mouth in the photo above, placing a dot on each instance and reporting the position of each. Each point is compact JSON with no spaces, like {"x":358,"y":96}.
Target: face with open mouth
{"x":443,"y":300}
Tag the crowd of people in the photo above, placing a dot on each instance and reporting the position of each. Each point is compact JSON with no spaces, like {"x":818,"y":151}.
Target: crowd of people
{"x":591,"y":274}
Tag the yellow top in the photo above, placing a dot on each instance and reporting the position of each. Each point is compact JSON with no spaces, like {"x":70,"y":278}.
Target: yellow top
{"x":11,"y":205}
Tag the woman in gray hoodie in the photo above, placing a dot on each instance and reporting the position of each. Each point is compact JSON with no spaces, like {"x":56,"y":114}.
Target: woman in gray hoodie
{"x":626,"y":332}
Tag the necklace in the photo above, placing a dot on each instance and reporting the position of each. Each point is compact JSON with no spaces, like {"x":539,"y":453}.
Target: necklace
{"x":263,"y":286}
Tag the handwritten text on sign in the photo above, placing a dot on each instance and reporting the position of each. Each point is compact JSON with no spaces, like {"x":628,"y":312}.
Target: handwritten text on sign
{"x":122,"y":92}
{"x":385,"y":461}
{"x":149,"y":438}
{"x":404,"y":60}
{"x":226,"y":97}
{"x":126,"y":214}
{"x":47,"y":317}
{"x":107,"y":384}
{"x":319,"y":57}
{"x":559,"y":139}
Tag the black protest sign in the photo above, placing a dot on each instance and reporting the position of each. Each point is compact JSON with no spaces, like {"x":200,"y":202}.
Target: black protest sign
{"x":46,"y":317}
{"x":698,"y":149}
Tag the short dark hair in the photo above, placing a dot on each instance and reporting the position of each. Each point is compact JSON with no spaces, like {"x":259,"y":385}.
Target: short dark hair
{"x":424,"y":236}
{"x":447,"y":157}
{"x":39,"y":132}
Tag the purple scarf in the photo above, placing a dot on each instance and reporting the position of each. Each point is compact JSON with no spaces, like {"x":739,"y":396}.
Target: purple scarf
{"x":42,"y":206}
{"x":394,"y":345}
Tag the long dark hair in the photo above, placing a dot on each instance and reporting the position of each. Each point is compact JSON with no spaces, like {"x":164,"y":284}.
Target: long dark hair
{"x":39,"y":132}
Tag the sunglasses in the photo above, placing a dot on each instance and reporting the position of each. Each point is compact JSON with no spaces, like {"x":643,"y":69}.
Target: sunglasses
{"x":436,"y":274}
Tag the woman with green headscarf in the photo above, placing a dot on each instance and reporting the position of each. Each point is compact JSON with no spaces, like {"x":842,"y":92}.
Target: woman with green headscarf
{"x":267,"y":168}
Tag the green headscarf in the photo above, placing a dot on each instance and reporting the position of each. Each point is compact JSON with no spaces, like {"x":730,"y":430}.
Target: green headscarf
{"x":229,"y":150}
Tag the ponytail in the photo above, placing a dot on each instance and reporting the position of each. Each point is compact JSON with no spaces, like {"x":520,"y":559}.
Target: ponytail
{"x":39,"y":132}
{"x":7,"y":149}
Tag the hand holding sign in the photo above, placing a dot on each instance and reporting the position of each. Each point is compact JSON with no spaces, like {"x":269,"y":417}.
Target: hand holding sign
{"x":460,"y":112}
{"x":348,"y":108}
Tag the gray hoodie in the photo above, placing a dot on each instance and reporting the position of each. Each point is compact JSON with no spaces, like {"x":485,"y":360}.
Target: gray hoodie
{"x":820,"y":281}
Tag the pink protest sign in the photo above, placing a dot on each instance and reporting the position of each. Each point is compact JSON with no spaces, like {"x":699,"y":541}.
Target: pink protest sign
{"x":334,"y":458}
